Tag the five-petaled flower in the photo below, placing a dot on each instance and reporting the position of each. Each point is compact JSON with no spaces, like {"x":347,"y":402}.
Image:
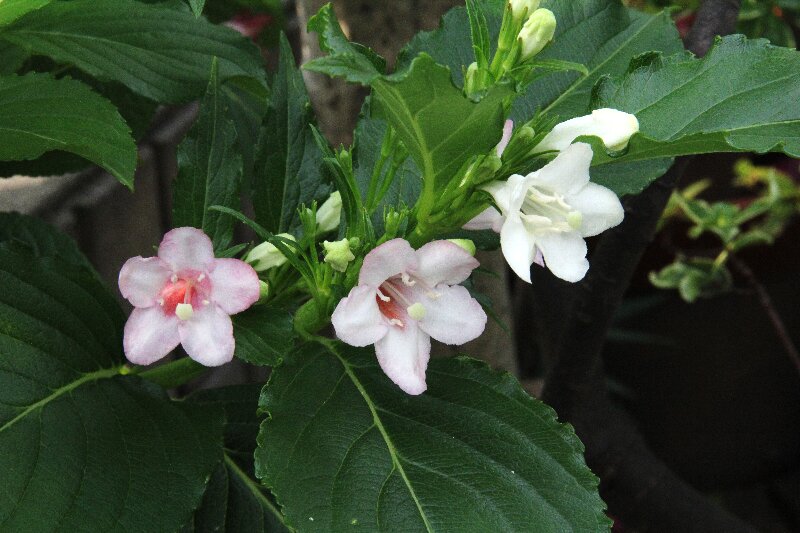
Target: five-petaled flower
{"x":545,"y":215}
{"x":403,"y":298}
{"x":185,"y":296}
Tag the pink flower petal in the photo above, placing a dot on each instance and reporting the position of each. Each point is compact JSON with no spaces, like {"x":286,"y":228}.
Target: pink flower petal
{"x":508,"y":129}
{"x":387,"y":260}
{"x":403,"y":355}
{"x":208,"y":336}
{"x":454,"y":317}
{"x":489,"y":218}
{"x":357,"y":319}
{"x":141,"y":280}
{"x":444,"y":262}
{"x":187,"y":248}
{"x":150,"y":335}
{"x":234,"y":285}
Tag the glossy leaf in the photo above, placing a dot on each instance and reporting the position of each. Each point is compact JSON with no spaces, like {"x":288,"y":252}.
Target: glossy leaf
{"x":234,"y":501}
{"x":39,"y":113}
{"x":11,"y":10}
{"x":288,"y":163}
{"x":74,"y":434}
{"x":157,"y":51}
{"x":209,"y":169}
{"x":264,"y":335}
{"x":344,"y":449}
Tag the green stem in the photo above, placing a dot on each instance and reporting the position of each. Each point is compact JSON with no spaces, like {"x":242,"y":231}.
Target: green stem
{"x":172,"y":374}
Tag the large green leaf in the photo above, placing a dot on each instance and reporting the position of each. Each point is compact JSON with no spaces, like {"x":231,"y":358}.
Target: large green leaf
{"x":155,"y":50}
{"x":234,"y":500}
{"x":440,"y":127}
{"x":40,"y":239}
{"x":81,"y":447}
{"x":288,"y":163}
{"x":11,"y":10}
{"x":39,"y":113}
{"x":741,"y":97}
{"x":264,"y":335}
{"x":209,"y":169}
{"x":344,"y":449}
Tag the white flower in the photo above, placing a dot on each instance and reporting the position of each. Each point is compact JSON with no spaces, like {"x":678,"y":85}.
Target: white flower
{"x":403,"y":298}
{"x":329,"y":213}
{"x":266,"y":255}
{"x":546,"y":215}
{"x":614,"y":127}
{"x":521,"y":9}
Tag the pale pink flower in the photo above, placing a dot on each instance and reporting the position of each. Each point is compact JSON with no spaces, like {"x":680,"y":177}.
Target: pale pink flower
{"x":185,"y":296}
{"x":403,"y":298}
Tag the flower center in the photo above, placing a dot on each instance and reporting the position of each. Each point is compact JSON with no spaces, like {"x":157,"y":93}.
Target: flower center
{"x":396,"y":301}
{"x":183,"y":293}
{"x":549,"y":211}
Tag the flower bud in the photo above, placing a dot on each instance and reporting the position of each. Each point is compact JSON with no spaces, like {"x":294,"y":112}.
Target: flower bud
{"x":266,"y":255}
{"x":329,"y":213}
{"x":466,"y":244}
{"x":614,"y":127}
{"x":537,"y":32}
{"x":521,"y":9}
{"x":338,"y":254}
{"x":263,"y":289}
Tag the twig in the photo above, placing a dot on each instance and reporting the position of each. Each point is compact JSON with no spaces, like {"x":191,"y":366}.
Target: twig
{"x":769,"y":308}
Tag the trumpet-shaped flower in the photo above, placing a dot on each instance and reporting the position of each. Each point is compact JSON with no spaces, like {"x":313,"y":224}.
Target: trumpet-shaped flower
{"x":545,"y":215}
{"x":614,"y":127}
{"x":403,"y":298}
{"x":185,"y":296}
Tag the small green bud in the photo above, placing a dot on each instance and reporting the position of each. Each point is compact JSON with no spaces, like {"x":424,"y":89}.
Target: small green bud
{"x":338,"y":254}
{"x":266,"y":255}
{"x":466,"y":244}
{"x":537,"y":32}
{"x":263,"y":289}
{"x":329,"y":213}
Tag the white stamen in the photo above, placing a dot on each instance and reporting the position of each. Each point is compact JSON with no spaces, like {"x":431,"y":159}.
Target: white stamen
{"x":174,"y":278}
{"x":417,"y":311}
{"x":407,"y":280}
{"x":206,"y":302}
{"x":201,"y":277}
{"x":161,"y":302}
{"x":433,"y":295}
{"x":383,"y":297}
{"x":184,"y":311}
{"x":396,"y":322}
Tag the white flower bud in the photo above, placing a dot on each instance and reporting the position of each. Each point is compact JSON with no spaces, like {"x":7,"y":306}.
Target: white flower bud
{"x":537,"y":32}
{"x":523,"y":8}
{"x":266,"y":255}
{"x":329,"y":213}
{"x":338,"y":254}
{"x":614,"y":127}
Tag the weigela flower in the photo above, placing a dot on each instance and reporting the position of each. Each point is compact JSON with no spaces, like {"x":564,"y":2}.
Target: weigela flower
{"x":185,"y":296}
{"x":329,"y":214}
{"x":403,"y":298}
{"x":614,"y":127}
{"x":545,"y":216}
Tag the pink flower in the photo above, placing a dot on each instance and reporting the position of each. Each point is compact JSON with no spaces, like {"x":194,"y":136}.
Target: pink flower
{"x":403,"y":298}
{"x":185,"y":296}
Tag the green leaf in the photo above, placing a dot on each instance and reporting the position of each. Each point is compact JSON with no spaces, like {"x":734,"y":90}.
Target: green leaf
{"x":479,"y":31}
{"x":694,"y":277}
{"x":39,"y":114}
{"x":81,"y":447}
{"x":209,"y":169}
{"x":351,"y":61}
{"x":247,"y":107}
{"x":683,"y":107}
{"x":197,"y":7}
{"x":11,"y":10}
{"x":264,"y":335}
{"x":288,"y":162}
{"x":157,"y":51}
{"x":40,"y":239}
{"x":234,"y":500}
{"x":440,"y":127}
{"x":344,"y":449}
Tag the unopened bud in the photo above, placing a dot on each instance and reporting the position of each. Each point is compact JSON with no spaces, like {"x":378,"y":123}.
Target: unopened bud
{"x":521,"y":9}
{"x":266,"y":255}
{"x":614,"y":127}
{"x":338,"y":254}
{"x":537,"y":32}
{"x":329,"y":213}
{"x":466,"y":244}
{"x":263,"y":289}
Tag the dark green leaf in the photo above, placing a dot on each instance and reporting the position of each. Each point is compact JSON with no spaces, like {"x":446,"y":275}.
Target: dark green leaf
{"x":741,"y":97}
{"x":288,"y":161}
{"x":247,"y":107}
{"x":157,"y":51}
{"x":479,"y":32}
{"x":82,"y":448}
{"x":440,"y":127}
{"x":351,"y":61}
{"x":344,"y":449}
{"x":264,"y":335}
{"x":197,"y":7}
{"x":209,"y":169}
{"x":12,"y":58}
{"x":11,"y":10}
{"x":40,"y":239}
{"x":234,"y":501}
{"x":39,"y":114}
